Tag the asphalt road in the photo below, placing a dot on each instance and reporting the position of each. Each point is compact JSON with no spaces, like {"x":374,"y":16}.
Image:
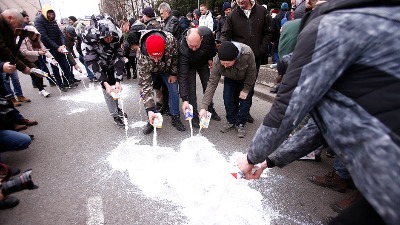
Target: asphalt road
{"x":77,"y":184}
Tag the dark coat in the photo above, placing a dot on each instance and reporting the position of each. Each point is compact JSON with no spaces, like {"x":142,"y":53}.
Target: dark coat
{"x":52,"y":37}
{"x":194,"y":59}
{"x":172,"y":25}
{"x":255,"y":31}
{"x":8,"y":47}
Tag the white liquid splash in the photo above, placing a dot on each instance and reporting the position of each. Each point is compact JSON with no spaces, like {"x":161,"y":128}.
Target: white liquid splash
{"x":197,"y":178}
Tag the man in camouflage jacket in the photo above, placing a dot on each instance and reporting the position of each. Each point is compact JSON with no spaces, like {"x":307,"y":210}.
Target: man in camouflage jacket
{"x":158,"y":56}
{"x":103,"y":55}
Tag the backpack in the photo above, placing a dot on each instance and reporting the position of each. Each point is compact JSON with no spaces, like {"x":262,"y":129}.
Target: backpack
{"x":284,"y":19}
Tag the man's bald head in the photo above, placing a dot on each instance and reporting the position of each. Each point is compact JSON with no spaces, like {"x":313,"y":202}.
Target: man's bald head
{"x":194,"y":38}
{"x":13,"y":18}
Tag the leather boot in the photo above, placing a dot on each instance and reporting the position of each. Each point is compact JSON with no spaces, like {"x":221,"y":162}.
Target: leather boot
{"x":176,"y":122}
{"x":330,"y":180}
{"x":346,"y":202}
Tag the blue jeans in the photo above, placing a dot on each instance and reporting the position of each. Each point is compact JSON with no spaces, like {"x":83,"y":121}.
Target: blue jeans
{"x":65,"y":67}
{"x":15,"y":81}
{"x":89,"y":73}
{"x":173,"y":94}
{"x":340,"y":169}
{"x":236,"y":109}
{"x":13,"y":141}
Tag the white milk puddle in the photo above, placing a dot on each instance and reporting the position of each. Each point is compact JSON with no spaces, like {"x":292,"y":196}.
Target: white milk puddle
{"x":93,"y":94}
{"x":138,"y":124}
{"x":78,"y":110}
{"x":197,"y":178}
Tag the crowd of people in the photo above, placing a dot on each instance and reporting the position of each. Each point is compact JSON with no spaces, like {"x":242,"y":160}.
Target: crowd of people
{"x":326,"y":76}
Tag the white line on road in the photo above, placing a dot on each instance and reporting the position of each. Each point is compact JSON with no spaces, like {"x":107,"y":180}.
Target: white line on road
{"x":95,"y":211}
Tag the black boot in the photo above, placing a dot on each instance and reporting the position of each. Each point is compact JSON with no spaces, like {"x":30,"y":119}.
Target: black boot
{"x":176,"y":122}
{"x":196,"y":121}
{"x":121,"y":114}
{"x":214,"y":115}
{"x":119,"y":121}
{"x":148,"y":129}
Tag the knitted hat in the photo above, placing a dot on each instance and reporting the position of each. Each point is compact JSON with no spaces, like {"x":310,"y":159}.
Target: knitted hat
{"x":197,"y":12}
{"x":148,"y":11}
{"x":227,"y":51}
{"x":71,"y":31}
{"x":226,"y":5}
{"x":73,"y":18}
{"x":155,"y":46}
{"x":285,"y":6}
{"x":133,"y":38}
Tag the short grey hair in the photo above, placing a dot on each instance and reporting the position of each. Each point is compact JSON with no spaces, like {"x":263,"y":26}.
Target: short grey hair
{"x":165,"y":6}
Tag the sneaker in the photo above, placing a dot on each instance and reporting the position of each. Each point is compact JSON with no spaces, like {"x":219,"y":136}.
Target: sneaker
{"x":176,"y":122}
{"x":26,"y":122}
{"x":241,"y":131}
{"x":330,"y":180}
{"x":227,"y":126}
{"x":15,"y":102}
{"x":346,"y":202}
{"x":64,"y":89}
{"x":9,"y":202}
{"x":77,"y":80}
{"x":23,"y":99}
{"x":121,"y":114}
{"x":164,"y":110}
{"x":71,"y":85}
{"x":91,"y":80}
{"x":119,"y":121}
{"x":148,"y":129}
{"x":250,"y":119}
{"x":44,"y":93}
{"x":273,"y":66}
{"x":330,"y":153}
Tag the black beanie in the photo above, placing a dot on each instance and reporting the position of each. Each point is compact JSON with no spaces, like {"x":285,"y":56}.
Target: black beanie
{"x":133,"y":38}
{"x":73,"y":18}
{"x":227,"y":51}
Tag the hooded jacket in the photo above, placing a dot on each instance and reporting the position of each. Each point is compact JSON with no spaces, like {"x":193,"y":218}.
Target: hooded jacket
{"x":146,"y":67}
{"x":100,"y":56}
{"x":52,"y":36}
{"x":31,"y":53}
{"x":8,"y":47}
{"x":351,"y":88}
{"x":243,"y":69}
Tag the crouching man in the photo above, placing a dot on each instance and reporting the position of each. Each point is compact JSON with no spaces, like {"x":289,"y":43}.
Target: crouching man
{"x":236,"y":63}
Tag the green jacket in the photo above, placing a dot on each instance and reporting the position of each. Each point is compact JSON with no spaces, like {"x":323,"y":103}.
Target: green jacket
{"x":243,"y":69}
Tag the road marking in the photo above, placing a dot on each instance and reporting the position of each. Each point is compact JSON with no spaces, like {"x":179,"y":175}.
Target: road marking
{"x":95,"y":211}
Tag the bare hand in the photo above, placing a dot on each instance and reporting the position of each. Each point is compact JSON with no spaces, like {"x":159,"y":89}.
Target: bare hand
{"x":185,"y":105}
{"x":9,"y":68}
{"x":41,"y":52}
{"x":77,"y":68}
{"x":118,"y":87}
{"x":210,"y":64}
{"x":54,"y":62}
{"x":172,"y":79}
{"x":109,"y":88}
{"x":202,"y":113}
{"x":152,"y":116}
{"x":243,"y":95}
{"x":246,"y":168}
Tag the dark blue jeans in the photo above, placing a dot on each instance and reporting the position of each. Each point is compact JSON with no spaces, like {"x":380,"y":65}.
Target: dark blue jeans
{"x":89,"y":73}
{"x":13,"y":140}
{"x":204,"y":74}
{"x":173,"y":93}
{"x":236,"y":109}
{"x":65,"y":67}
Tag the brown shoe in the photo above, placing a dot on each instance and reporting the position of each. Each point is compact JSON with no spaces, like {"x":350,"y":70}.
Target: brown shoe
{"x":15,"y":102}
{"x":330,"y":180}
{"x":27,"y":122}
{"x":346,"y":202}
{"x":23,"y":99}
{"x":19,"y":127}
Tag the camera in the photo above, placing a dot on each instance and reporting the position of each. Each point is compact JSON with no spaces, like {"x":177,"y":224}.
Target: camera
{"x":24,"y":181}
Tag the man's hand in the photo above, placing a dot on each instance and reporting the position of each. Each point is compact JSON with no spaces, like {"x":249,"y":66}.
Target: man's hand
{"x":41,"y":52}
{"x":118,"y":87}
{"x":243,"y":95}
{"x":172,"y":79}
{"x":109,"y":88}
{"x":152,"y":116}
{"x":202,"y":113}
{"x":62,"y":49}
{"x":54,"y":62}
{"x":77,"y":68}
{"x":27,"y":71}
{"x":185,"y":105}
{"x":246,"y":168}
{"x":210,"y":64}
{"x":9,"y":68}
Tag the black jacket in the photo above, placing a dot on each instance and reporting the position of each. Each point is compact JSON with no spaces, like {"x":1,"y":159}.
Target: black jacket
{"x":255,"y":31}
{"x":172,"y":25}
{"x":51,"y":35}
{"x":194,"y":59}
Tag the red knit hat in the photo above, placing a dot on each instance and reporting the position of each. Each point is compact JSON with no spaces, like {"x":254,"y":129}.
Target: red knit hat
{"x":155,"y":46}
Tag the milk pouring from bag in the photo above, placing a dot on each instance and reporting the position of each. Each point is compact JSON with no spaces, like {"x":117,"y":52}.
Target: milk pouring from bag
{"x":158,"y":121}
{"x":39,"y":72}
{"x":189,"y":113}
{"x":205,"y":120}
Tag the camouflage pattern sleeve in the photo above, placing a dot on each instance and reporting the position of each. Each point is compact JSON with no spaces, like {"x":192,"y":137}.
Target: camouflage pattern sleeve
{"x":119,"y":63}
{"x":145,"y":80}
{"x":90,"y":53}
{"x":171,"y":54}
